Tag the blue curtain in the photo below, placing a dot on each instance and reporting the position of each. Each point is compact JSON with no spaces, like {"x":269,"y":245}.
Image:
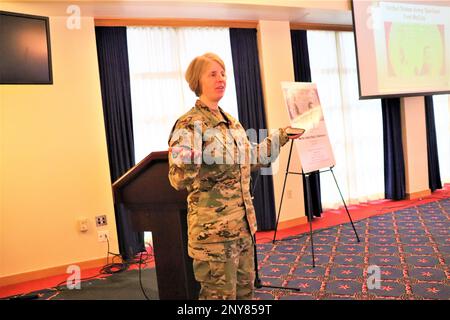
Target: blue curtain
{"x":250,"y":100}
{"x":434,"y":176}
{"x":116,"y":97}
{"x":394,"y":165}
{"x":302,"y":72}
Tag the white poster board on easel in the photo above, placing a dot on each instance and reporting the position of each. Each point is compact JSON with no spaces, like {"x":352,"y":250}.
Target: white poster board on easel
{"x":303,"y":105}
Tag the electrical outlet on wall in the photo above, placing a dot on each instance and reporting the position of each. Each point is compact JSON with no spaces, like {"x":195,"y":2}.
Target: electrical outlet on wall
{"x":83,"y":224}
{"x":289,"y":194}
{"x":103,"y":235}
{"x":101,"y":221}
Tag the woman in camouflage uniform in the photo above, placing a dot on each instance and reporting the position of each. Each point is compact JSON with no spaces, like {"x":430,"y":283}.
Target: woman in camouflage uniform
{"x":211,"y":156}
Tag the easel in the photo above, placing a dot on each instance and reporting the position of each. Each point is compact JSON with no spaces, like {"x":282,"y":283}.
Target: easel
{"x":308,"y":195}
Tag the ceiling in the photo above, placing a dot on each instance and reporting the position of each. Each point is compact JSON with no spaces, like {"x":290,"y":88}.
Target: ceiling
{"x":324,"y":12}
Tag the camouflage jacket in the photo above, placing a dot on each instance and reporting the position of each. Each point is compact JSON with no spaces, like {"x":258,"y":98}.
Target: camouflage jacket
{"x":217,"y":178}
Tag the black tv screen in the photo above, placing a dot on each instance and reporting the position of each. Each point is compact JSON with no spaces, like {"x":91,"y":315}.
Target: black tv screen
{"x":25,"y":56}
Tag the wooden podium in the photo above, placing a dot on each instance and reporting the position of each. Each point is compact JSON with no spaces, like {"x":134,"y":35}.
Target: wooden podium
{"x":154,"y":205}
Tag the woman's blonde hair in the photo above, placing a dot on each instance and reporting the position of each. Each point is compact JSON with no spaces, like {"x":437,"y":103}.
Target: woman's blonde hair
{"x":196,"y":69}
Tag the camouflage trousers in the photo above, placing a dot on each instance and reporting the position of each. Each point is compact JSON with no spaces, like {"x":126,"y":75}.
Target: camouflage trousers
{"x":232,"y":278}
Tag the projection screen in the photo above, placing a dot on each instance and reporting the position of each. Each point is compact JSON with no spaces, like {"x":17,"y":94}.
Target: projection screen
{"x":402,"y":47}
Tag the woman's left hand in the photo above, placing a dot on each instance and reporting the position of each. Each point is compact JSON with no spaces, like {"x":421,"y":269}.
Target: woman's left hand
{"x":293,"y":136}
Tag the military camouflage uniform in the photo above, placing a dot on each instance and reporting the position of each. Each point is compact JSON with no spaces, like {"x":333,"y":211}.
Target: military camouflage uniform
{"x":221,"y":218}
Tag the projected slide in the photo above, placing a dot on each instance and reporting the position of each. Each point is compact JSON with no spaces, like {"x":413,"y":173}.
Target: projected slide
{"x":414,"y":50}
{"x":411,"y":47}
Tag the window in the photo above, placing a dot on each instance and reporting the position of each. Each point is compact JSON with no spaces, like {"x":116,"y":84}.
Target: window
{"x":442,"y":120}
{"x":158,"y":58}
{"x":354,"y":127}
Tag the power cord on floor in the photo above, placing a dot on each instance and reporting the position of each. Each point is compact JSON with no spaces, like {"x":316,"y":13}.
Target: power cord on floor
{"x":108,"y":269}
{"x":111,"y":268}
{"x":140,"y":280}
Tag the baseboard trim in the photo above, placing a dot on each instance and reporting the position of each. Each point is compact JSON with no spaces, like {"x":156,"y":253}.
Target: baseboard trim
{"x":49,"y":272}
{"x":418,"y":194}
{"x":292,"y":223}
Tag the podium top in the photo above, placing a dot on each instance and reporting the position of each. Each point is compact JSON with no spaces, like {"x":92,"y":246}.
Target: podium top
{"x":136,"y":169}
{"x":148,"y":183}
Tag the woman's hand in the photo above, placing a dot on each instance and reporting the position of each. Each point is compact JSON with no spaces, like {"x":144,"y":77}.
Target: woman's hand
{"x":294,"y":133}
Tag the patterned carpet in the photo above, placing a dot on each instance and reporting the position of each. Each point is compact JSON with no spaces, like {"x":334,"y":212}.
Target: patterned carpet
{"x":411,"y":247}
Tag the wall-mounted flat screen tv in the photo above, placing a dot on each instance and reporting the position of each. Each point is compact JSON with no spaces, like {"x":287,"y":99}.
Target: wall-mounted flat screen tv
{"x":25,"y":56}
